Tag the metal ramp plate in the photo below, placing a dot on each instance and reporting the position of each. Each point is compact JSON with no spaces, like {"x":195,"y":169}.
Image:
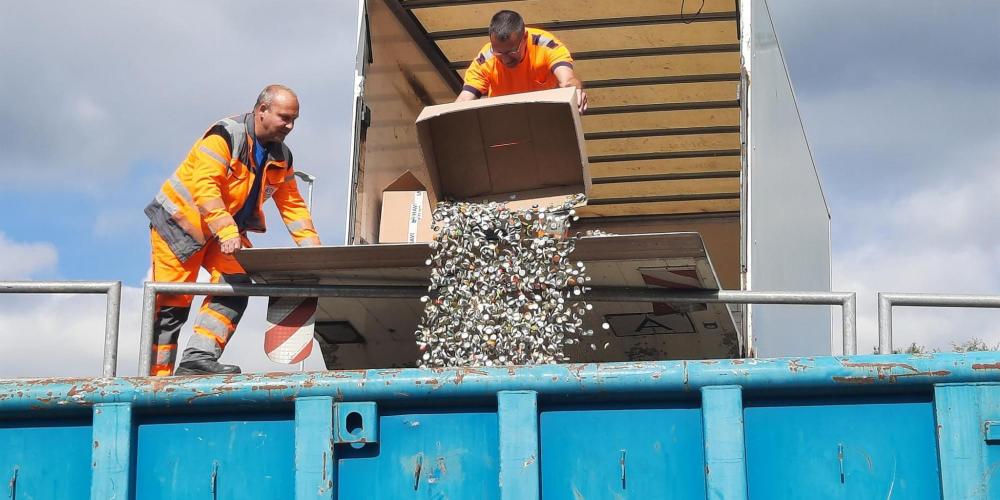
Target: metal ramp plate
{"x":379,"y":333}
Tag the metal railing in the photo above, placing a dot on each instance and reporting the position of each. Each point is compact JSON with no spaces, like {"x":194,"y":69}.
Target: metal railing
{"x":847,"y":301}
{"x":886,"y":301}
{"x":113,"y":291}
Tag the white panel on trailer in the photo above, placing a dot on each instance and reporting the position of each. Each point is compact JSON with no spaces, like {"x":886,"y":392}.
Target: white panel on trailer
{"x":788,"y":234}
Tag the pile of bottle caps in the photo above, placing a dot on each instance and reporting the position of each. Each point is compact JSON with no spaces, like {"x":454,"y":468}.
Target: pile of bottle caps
{"x":503,"y":289}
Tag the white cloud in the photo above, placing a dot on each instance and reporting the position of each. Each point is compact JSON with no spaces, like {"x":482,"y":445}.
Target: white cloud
{"x":20,"y":261}
{"x":63,"y":335}
{"x":941,"y":238}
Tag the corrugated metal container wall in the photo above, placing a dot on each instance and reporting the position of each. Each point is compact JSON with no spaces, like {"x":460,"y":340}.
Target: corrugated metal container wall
{"x":856,"y":427}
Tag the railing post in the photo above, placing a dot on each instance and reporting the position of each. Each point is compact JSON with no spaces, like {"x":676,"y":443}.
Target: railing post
{"x":848,"y":311}
{"x":146,"y":332}
{"x":112,"y":318}
{"x":884,"y":324}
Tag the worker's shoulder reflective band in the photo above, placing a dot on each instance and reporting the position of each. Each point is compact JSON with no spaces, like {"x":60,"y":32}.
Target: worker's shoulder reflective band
{"x":289,"y":178}
{"x":237,"y":136}
{"x":484,"y":55}
{"x":180,"y":188}
{"x":215,"y":156}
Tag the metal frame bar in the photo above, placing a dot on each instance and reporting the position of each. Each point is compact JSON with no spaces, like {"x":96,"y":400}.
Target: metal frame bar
{"x":886,"y":301}
{"x":113,"y":291}
{"x":847,"y":301}
{"x":871,"y":374}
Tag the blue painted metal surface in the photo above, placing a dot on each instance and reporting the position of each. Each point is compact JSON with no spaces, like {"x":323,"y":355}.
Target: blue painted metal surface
{"x":725,"y":459}
{"x":434,"y":454}
{"x":112,"y":465}
{"x":517,"y":412}
{"x":970,"y":462}
{"x":45,"y":458}
{"x":315,"y":462}
{"x":622,"y":450}
{"x":215,"y":456}
{"x":855,"y":427}
{"x":847,"y":447}
{"x":356,"y":423}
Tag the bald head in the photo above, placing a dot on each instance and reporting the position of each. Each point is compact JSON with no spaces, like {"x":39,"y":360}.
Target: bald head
{"x":275,"y":113}
{"x":267,"y":96}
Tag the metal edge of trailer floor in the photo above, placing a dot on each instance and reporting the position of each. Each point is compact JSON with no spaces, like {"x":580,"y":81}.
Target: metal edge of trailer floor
{"x":839,"y":427}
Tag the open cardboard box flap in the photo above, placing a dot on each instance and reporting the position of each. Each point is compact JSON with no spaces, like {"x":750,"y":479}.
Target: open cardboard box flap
{"x":515,"y":147}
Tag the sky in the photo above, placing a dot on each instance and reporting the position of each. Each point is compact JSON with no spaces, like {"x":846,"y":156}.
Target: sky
{"x":99,"y":101}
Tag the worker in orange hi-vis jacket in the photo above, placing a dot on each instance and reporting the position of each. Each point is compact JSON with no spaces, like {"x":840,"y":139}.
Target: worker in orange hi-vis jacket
{"x":201,"y":216}
{"x":520,"y":59}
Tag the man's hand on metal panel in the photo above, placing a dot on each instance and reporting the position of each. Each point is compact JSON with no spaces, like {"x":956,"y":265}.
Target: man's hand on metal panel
{"x":231,"y":245}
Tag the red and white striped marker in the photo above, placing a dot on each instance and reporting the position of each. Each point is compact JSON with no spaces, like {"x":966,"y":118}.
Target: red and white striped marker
{"x":290,"y":325}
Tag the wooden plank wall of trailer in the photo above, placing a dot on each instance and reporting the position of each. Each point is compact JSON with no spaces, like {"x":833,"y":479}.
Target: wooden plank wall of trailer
{"x":663,"y":128}
{"x":401,"y":80}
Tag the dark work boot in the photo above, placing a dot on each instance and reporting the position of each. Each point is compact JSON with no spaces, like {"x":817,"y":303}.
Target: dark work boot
{"x":205,"y":367}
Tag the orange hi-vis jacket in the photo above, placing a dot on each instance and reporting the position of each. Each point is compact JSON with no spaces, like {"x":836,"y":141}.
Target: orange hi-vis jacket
{"x":487,"y":76}
{"x":198,"y":201}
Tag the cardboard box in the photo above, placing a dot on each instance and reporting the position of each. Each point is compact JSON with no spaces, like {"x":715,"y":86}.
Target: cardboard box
{"x":406,"y":212}
{"x":522,"y":148}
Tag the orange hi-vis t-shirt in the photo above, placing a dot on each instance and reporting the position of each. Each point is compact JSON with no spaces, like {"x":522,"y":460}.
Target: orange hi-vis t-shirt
{"x":487,"y":76}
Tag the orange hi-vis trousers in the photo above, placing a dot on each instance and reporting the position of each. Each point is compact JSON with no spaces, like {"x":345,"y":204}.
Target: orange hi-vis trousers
{"x":218,"y":316}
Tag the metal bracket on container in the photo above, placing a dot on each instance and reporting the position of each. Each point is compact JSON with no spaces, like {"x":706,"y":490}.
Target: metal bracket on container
{"x":355,"y":423}
{"x":992,"y":430}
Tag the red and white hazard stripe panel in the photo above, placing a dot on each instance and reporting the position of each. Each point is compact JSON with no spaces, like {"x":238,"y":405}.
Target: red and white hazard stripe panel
{"x":290,"y":325}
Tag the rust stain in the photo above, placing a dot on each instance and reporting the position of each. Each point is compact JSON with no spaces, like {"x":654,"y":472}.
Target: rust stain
{"x":854,"y":380}
{"x":577,"y":370}
{"x":461,"y":373}
{"x":984,"y":366}
{"x":269,"y":387}
{"x":738,"y":361}
{"x":96,"y":444}
{"x":795,"y":366}
{"x":884,"y":370}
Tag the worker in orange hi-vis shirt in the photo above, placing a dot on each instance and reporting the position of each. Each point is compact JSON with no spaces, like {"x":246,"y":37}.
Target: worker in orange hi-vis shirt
{"x":520,"y":59}
{"x":200,"y":217}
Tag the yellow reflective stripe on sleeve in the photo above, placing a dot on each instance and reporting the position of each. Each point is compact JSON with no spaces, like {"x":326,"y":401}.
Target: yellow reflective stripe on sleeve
{"x":217,"y":225}
{"x":215,"y":156}
{"x":309,"y":242}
